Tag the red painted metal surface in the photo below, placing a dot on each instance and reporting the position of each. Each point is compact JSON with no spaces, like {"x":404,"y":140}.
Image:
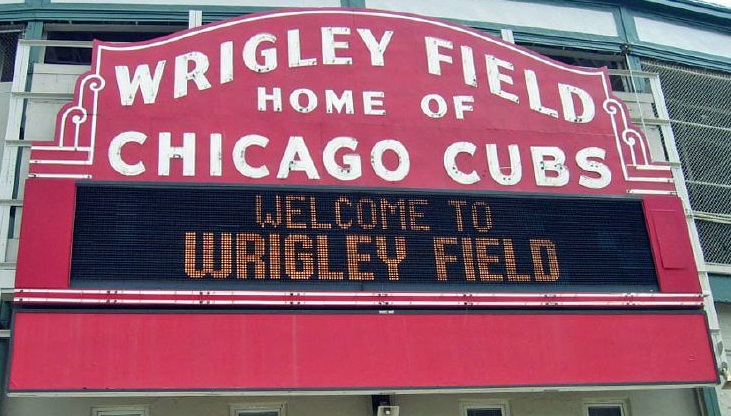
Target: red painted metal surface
{"x":205,"y":349}
{"x":668,"y":230}
{"x":65,"y":351}
{"x":44,"y":259}
{"x":511,"y":103}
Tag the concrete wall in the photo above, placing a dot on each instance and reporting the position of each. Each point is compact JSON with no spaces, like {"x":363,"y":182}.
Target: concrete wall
{"x":671,"y":402}
{"x":41,"y":113}
{"x":511,"y":13}
{"x":681,"y":36}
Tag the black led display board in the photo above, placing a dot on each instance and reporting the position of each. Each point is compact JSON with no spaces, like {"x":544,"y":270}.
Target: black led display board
{"x":249,"y":238}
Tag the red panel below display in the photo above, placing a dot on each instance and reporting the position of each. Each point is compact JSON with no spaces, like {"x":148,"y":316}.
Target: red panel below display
{"x":257,"y":352}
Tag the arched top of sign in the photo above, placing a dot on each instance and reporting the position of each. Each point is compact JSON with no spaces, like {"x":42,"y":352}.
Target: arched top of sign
{"x":347,"y":98}
{"x":224,"y":25}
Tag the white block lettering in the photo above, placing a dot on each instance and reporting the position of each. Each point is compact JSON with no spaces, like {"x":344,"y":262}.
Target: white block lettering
{"x":142,"y":81}
{"x":450,"y":163}
{"x":294,"y":53}
{"x":227,"y":62}
{"x":371,"y":101}
{"x":567,"y":92}
{"x":549,"y":159}
{"x":114,"y":153}
{"x":461,"y":105}
{"x":269,"y":54}
{"x":239,"y":156}
{"x":433,"y":57}
{"x":275,"y":97}
{"x":338,"y":104}
{"x":350,"y":169}
{"x":197,"y":74}
{"x":534,"y":95}
{"x":495,"y":78}
{"x":469,"y":73}
{"x":377,"y":48}
{"x":216,"y":156}
{"x":497,"y":172}
{"x":584,"y":158}
{"x":166,"y":152}
{"x":297,"y":158}
{"x":295,"y":100}
{"x":329,"y":46}
{"x":403,"y":166}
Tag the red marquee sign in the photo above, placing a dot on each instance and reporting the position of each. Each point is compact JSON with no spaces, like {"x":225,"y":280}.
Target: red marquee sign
{"x":351,"y":159}
{"x":343,"y":98}
{"x":350,"y":100}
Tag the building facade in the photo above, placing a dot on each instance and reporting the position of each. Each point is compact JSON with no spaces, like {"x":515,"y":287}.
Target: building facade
{"x":365,"y":207}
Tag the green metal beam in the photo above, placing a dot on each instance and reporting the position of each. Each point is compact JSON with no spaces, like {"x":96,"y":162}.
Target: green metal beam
{"x":44,"y":11}
{"x":721,"y":288}
{"x":709,"y":402}
{"x":355,"y":4}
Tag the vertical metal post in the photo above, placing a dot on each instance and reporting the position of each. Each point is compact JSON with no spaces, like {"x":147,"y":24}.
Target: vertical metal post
{"x":12,"y":132}
{"x":9,"y":165}
{"x":708,"y":398}
{"x":507,"y":35}
{"x":195,"y":18}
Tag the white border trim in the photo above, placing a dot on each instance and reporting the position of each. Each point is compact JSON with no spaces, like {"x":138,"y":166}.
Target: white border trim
{"x":622,"y":404}
{"x":120,"y":411}
{"x":296,"y":393}
{"x":255,"y":409}
{"x":355,"y":299}
{"x":467,"y":404}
